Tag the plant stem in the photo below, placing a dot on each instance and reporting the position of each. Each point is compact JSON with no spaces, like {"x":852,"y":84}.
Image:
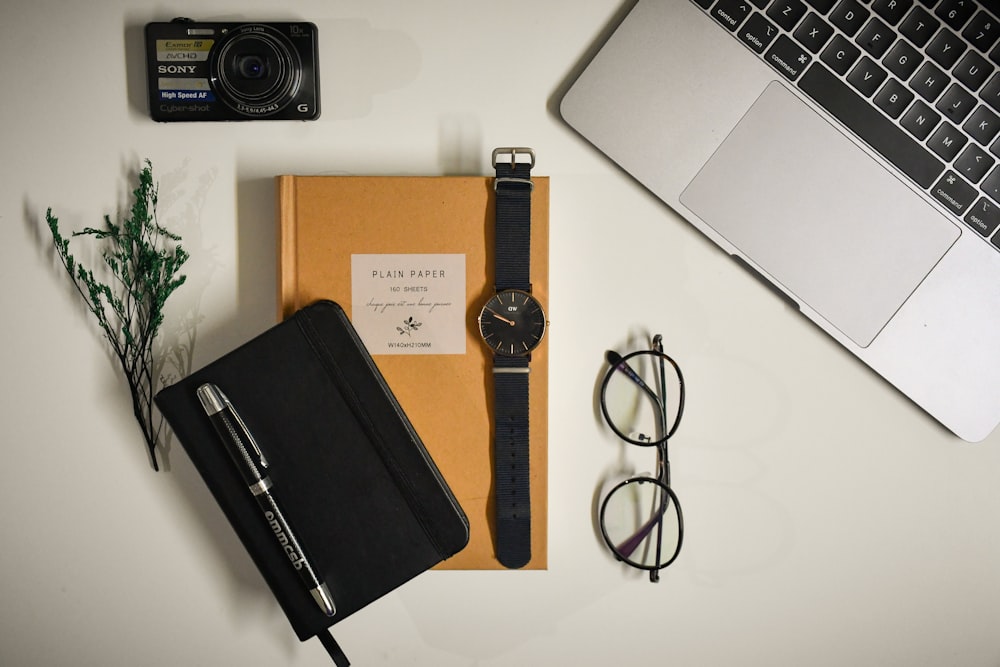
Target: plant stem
{"x":143,"y":259}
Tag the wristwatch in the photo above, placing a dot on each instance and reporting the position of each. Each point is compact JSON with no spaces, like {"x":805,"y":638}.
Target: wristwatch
{"x":512,"y":324}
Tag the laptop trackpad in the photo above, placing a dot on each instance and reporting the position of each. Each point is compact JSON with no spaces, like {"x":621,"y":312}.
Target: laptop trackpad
{"x":837,"y":230}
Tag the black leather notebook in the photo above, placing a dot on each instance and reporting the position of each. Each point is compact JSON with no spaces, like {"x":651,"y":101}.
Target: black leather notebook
{"x":366,"y":500}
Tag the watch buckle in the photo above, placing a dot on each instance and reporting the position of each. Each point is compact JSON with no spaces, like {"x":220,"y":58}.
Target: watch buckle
{"x":514,"y":151}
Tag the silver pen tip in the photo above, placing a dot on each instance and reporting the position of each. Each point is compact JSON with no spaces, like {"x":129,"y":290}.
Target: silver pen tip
{"x":323,"y":598}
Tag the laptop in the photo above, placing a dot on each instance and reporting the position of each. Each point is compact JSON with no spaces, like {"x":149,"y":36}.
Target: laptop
{"x":846,"y":153}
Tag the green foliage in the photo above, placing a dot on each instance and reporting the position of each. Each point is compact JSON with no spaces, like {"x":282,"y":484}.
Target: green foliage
{"x":143,"y":260}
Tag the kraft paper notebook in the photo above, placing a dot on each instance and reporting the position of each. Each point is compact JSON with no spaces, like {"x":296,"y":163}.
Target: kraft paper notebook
{"x":411,"y":261}
{"x":355,"y":483}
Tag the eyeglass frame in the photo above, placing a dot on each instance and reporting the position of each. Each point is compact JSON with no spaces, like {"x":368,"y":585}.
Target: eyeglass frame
{"x":619,"y":363}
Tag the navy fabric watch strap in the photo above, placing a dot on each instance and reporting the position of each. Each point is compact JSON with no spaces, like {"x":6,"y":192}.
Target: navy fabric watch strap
{"x":511,"y":485}
{"x":513,"y":226}
{"x":511,"y":472}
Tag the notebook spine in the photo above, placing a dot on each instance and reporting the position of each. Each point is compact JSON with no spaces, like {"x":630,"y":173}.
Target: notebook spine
{"x":287,"y":217}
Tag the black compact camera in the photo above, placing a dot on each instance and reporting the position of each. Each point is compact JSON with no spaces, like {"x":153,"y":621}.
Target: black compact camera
{"x":232,"y":71}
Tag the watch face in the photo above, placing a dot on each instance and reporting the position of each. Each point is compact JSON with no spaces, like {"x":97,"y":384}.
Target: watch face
{"x":512,"y":323}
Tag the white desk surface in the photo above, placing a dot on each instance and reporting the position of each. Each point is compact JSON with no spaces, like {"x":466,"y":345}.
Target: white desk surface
{"x":829,"y":521}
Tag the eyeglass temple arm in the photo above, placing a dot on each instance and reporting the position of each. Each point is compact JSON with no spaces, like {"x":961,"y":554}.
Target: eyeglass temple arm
{"x":627,"y":547}
{"x":617,"y":362}
{"x":654,"y":575}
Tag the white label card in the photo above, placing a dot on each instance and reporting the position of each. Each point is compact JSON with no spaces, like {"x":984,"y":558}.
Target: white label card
{"x":409,"y":304}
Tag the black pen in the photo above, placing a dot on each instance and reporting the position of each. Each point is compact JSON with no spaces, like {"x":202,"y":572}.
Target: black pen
{"x":243,"y":449}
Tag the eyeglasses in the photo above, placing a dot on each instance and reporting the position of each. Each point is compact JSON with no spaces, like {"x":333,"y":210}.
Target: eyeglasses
{"x":640,"y":518}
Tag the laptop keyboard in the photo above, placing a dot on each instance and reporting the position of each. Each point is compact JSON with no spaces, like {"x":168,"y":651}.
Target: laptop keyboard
{"x":916,"y":80}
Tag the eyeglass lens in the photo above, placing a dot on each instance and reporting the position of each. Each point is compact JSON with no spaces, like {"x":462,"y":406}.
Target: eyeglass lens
{"x":632,"y":393}
{"x":642,"y":523}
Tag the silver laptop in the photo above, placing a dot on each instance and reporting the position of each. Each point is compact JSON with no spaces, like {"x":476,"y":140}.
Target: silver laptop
{"x":845,"y":152}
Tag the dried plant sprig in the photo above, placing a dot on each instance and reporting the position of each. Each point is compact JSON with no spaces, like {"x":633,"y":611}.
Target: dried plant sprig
{"x":143,"y":259}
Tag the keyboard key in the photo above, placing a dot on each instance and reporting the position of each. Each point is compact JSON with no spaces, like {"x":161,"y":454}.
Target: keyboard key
{"x":973,"y":70}
{"x":991,"y":186}
{"x":946,"y":141}
{"x":849,"y":16}
{"x":903,"y":59}
{"x":982,"y":32}
{"x":920,"y":119}
{"x":956,"y":195}
{"x":814,"y":32}
{"x":786,"y":13}
{"x":891,"y":10}
{"x":876,"y":38}
{"x":982,"y":125}
{"x":973,"y":163}
{"x":870,"y":125}
{"x":918,"y":27}
{"x":991,"y":93}
{"x":929,"y":82}
{"x":955,"y":12}
{"x":945,"y":48}
{"x":866,"y":77}
{"x":758,"y":32}
{"x":788,"y":57}
{"x":840,"y":54}
{"x":984,"y":217}
{"x":893,"y":98}
{"x":731,"y":13}
{"x":956,"y":103}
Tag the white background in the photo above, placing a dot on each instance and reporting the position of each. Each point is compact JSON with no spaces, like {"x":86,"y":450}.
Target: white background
{"x":829,"y":521}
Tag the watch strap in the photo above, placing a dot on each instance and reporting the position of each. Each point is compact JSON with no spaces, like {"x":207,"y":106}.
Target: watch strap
{"x":511,"y":476}
{"x":511,"y":461}
{"x":513,"y":188}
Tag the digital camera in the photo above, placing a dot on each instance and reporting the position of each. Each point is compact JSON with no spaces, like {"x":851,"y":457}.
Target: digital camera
{"x":232,"y":71}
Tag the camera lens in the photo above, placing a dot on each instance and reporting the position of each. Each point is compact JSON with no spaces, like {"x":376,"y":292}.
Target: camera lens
{"x":256,"y":70}
{"x":251,"y":66}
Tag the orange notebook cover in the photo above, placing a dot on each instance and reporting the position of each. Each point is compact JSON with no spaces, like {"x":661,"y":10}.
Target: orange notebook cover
{"x":410,"y":259}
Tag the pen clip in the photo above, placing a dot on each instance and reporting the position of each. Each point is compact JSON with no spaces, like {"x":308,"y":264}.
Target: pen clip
{"x":246,"y":431}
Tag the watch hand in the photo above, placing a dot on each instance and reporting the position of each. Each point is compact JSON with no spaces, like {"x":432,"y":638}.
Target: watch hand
{"x":501,"y":318}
